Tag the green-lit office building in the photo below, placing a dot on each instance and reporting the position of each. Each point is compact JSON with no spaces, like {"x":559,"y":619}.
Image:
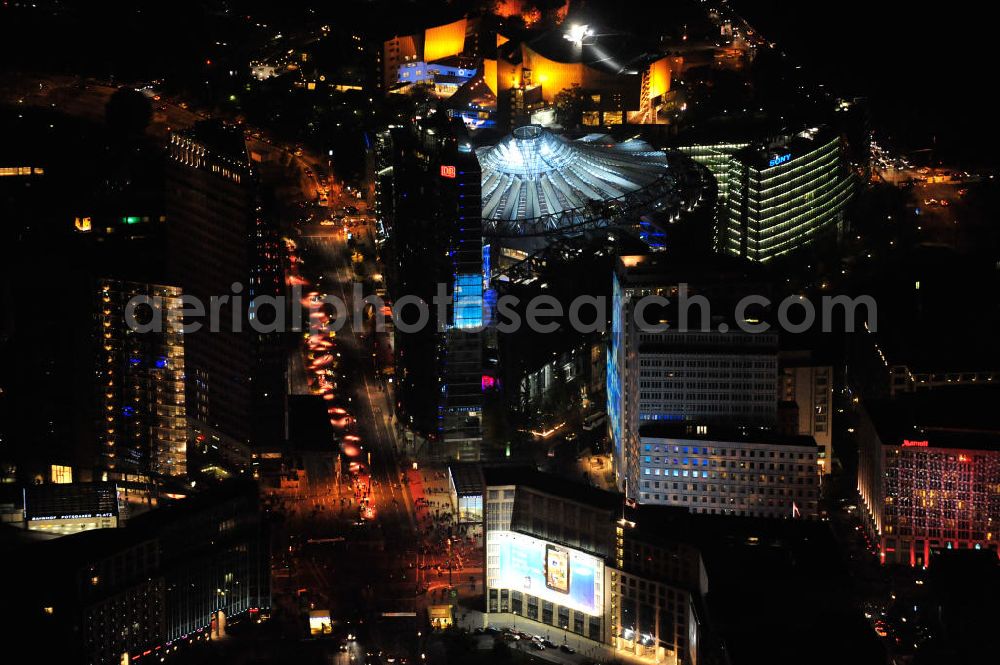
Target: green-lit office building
{"x":784,"y":194}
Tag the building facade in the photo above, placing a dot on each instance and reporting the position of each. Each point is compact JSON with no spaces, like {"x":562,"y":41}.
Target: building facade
{"x":429,"y":211}
{"x":656,"y":591}
{"x":143,"y":425}
{"x":782,"y":195}
{"x":61,"y":509}
{"x":567,"y":557}
{"x":676,"y":586}
{"x":708,"y":469}
{"x":716,"y":157}
{"x":926,"y":488}
{"x":547,"y":542}
{"x":223,"y":251}
{"x":176,"y":574}
{"x":809,"y":386}
{"x":690,"y":372}
{"x":461,"y":409}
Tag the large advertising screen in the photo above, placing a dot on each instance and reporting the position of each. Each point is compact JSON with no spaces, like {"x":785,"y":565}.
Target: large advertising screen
{"x":555,"y":573}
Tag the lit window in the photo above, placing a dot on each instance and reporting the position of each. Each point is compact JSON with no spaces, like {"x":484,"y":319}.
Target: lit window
{"x":62,"y":474}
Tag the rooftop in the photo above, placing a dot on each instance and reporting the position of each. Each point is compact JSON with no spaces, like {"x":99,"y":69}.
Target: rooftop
{"x":689,"y":432}
{"x":963,"y":417}
{"x":533,"y":174}
{"x":608,"y":50}
{"x":773,"y":585}
{"x":221,"y":139}
{"x":784,"y":148}
{"x":467,"y":478}
{"x":528,"y":476}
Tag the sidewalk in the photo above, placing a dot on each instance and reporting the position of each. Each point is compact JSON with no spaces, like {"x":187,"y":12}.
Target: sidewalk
{"x":436,"y":523}
{"x":586,"y":649}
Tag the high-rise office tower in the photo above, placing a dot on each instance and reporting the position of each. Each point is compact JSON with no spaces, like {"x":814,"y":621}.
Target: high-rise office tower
{"x":462,"y":396}
{"x":429,"y":203}
{"x":702,"y":368}
{"x":143,"y":424}
{"x":223,"y":252}
{"x":784,"y":194}
{"x":775,"y":194}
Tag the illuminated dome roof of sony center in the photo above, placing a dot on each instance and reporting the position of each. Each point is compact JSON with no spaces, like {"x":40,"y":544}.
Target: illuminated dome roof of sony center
{"x":539,"y":183}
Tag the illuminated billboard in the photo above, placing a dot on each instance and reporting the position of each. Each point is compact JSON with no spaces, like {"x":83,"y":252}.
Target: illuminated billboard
{"x":552,"y":572}
{"x":320,"y":623}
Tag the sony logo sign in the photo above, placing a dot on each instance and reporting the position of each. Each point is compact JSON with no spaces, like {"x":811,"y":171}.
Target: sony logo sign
{"x":780,"y":159}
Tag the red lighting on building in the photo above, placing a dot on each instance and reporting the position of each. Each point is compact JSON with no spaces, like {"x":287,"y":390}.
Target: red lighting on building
{"x":488,"y":382}
{"x":447,"y":171}
{"x":911,"y":513}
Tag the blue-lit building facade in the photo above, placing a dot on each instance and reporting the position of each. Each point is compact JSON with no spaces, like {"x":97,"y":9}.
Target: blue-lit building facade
{"x":462,"y":351}
{"x":422,"y":72}
{"x":686,"y":373}
{"x":615,"y":372}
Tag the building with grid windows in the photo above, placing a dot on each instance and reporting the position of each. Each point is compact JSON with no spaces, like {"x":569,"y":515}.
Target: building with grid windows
{"x":716,"y":157}
{"x":806,"y":396}
{"x":430,"y":226}
{"x":462,"y":352}
{"x":143,"y":419}
{"x":783,"y":194}
{"x":929,"y":474}
{"x":661,"y":584}
{"x":222,"y":245}
{"x":179,"y":573}
{"x":547,"y":542}
{"x":693,"y":371}
{"x":728,"y":471}
{"x":656,"y":591}
{"x":626,"y":590}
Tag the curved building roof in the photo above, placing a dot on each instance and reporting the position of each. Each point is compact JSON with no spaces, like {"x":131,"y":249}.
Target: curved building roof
{"x":536,"y":182}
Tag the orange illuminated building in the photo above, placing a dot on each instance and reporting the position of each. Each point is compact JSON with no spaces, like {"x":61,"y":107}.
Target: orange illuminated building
{"x":659,"y":78}
{"x":434,"y":43}
{"x":490,"y":74}
{"x":630,"y":89}
{"x":444,"y":40}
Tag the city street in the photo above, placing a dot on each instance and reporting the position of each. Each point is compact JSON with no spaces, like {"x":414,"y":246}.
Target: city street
{"x":376,"y":573}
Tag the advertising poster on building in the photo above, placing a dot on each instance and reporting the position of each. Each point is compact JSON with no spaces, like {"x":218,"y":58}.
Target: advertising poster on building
{"x":552,"y":572}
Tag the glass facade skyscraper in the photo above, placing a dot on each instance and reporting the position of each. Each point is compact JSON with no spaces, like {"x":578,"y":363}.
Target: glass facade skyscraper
{"x":462,"y":353}
{"x":780,"y":197}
